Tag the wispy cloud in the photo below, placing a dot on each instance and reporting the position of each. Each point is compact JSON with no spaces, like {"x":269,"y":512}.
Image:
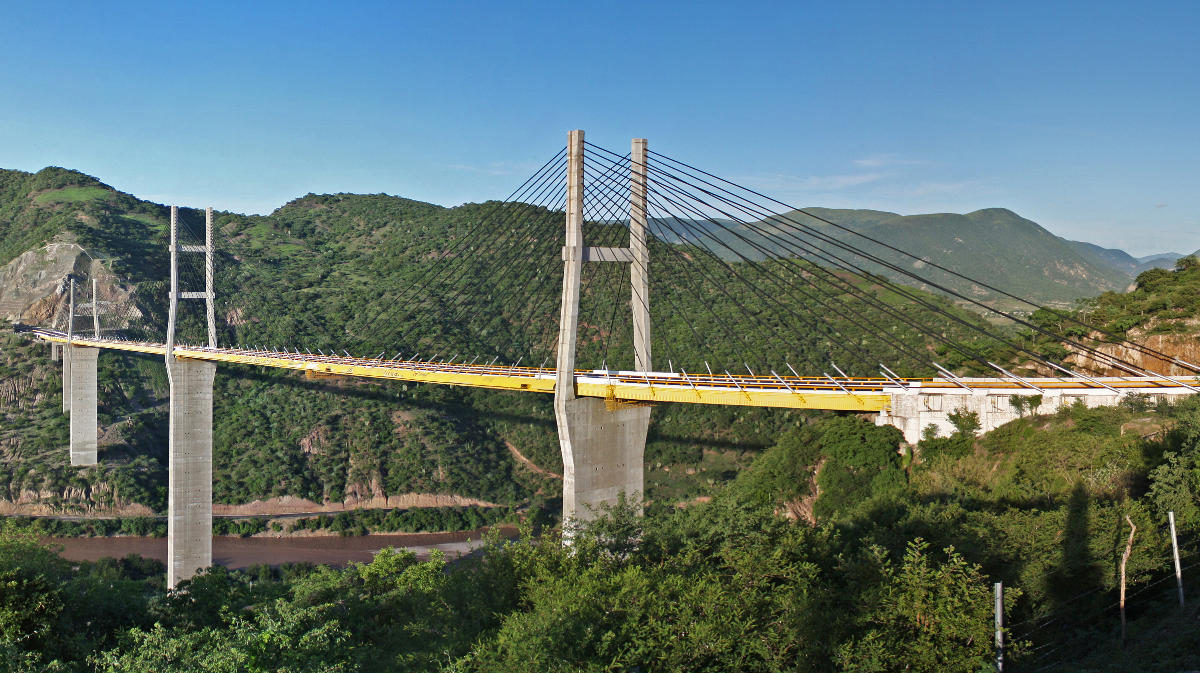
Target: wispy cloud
{"x":495,"y":168}
{"x":886,"y":160}
{"x":812,"y":183}
{"x":939,"y":188}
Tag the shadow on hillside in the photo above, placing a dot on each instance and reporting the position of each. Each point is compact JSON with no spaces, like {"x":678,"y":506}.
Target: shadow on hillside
{"x":451,"y":403}
{"x":1078,"y":571}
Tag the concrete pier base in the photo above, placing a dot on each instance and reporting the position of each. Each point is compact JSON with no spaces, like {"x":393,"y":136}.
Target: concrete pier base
{"x":603,"y":449}
{"x":81,"y":394}
{"x":189,"y":498}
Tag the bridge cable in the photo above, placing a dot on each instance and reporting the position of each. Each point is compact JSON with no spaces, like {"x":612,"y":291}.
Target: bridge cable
{"x":1015,"y":319}
{"x":846,"y":286}
{"x":610,"y":201}
{"x":870,"y":326}
{"x":513,"y":256}
{"x":438,"y":275}
{"x":700,"y":245}
{"x":836,"y":337}
{"x":682,"y":315}
{"x":449,"y":286}
{"x":835,"y":342}
{"x":435,"y":272}
{"x":1140,"y":347}
{"x":702,"y":301}
{"x":933,"y":307}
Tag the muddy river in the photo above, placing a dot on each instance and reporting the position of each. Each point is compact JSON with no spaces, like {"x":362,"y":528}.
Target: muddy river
{"x":237,"y":552}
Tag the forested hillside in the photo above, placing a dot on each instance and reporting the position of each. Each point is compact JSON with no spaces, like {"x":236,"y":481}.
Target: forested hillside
{"x":995,"y":246}
{"x":831,"y":552}
{"x":1152,"y":327}
{"x":808,"y":542}
{"x":362,"y":272}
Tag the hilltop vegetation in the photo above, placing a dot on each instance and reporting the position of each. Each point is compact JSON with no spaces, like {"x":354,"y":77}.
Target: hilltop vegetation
{"x":890,"y":570}
{"x":1160,"y":314}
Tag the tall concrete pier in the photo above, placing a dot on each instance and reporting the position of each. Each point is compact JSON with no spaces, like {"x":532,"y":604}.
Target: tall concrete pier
{"x":189,"y":454}
{"x":603,"y":442}
{"x":80,"y":376}
{"x":189,"y":460}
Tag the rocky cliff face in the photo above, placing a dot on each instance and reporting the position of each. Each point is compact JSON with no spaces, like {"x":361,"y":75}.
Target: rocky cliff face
{"x":34,"y":287}
{"x":1181,"y":346}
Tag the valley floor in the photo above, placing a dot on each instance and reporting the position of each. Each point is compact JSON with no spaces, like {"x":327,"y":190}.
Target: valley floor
{"x":239,"y":552}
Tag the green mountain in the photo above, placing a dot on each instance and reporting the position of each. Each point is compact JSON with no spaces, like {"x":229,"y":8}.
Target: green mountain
{"x":1119,"y":259}
{"x":348,"y":271}
{"x":994,"y":245}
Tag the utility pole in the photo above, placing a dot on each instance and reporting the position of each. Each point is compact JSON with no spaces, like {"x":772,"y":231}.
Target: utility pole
{"x":999,"y":591}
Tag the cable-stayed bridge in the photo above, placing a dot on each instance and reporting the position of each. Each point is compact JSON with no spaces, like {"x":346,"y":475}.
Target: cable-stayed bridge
{"x":674,"y":285}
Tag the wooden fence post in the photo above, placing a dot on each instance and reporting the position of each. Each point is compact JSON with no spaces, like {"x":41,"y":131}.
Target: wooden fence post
{"x":1124,"y":561}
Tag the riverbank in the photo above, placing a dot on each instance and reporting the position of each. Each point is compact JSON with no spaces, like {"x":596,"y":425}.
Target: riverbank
{"x":351,"y":523}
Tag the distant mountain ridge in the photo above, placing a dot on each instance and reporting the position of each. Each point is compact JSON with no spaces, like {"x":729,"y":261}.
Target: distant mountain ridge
{"x":993,"y":245}
{"x":1122,"y":260}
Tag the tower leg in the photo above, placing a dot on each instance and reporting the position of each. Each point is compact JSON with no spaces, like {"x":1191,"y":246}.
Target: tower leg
{"x":66,"y":360}
{"x":603,"y":451}
{"x":189,"y":499}
{"x":81,"y":393}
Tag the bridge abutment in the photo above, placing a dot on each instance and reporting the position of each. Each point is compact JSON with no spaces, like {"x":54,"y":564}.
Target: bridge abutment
{"x":79,"y":395}
{"x":912,"y":412}
{"x":189,"y":488}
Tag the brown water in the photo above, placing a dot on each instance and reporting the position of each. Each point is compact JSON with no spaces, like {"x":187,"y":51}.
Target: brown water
{"x":238,"y":552}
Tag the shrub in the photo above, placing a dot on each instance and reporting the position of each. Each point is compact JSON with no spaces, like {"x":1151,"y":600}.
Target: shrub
{"x":965,"y":422}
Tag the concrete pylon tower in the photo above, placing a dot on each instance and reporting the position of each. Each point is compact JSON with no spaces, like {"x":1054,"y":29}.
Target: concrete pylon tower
{"x":189,"y":452}
{"x":603,"y":442}
{"x":80,"y":392}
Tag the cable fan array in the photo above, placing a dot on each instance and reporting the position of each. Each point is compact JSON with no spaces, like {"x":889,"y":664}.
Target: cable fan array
{"x":739,"y":282}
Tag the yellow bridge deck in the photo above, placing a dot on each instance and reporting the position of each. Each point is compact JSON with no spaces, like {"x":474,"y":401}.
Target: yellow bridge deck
{"x":841,"y":394}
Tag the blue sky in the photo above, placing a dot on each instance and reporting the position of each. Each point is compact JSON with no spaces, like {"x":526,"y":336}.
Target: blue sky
{"x":1084,"y":117}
